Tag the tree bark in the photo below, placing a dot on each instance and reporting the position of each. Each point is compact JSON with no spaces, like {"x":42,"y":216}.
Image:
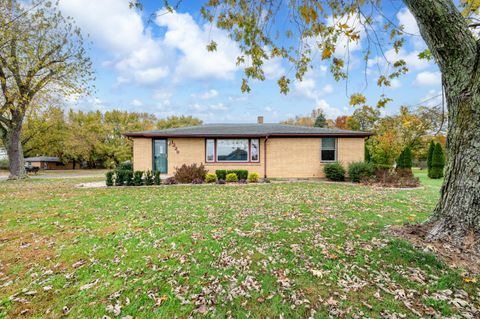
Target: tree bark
{"x":12,"y":141}
{"x":457,"y":215}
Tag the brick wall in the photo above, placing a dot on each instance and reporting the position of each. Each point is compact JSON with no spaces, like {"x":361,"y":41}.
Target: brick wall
{"x":142,"y":154}
{"x":286,"y":157}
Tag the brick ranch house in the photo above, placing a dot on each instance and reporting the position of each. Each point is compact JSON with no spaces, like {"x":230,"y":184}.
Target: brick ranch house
{"x":271,"y":150}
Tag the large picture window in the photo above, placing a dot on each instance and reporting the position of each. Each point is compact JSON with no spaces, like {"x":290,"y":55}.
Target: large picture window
{"x":329,"y":150}
{"x":232,"y":150}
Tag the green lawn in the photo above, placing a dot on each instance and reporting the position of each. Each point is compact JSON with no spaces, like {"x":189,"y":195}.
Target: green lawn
{"x":257,"y":251}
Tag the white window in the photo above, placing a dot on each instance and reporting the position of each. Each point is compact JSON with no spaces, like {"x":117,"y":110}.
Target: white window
{"x":210,"y":151}
{"x":232,"y":150}
{"x":329,"y":149}
{"x":254,"y":150}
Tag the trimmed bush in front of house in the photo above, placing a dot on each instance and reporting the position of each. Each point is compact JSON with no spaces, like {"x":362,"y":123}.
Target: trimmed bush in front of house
{"x":156,"y":178}
{"x":109,"y":178}
{"x":138,"y":178}
{"x":221,"y":173}
{"x":241,"y":173}
{"x":231,"y":178}
{"x":128,"y":176}
{"x":210,"y":178}
{"x":360,"y":171}
{"x":148,"y":178}
{"x":186,"y":174}
{"x":334,"y":171}
{"x":253,"y":177}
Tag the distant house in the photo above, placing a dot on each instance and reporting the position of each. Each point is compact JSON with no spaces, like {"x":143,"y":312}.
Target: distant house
{"x":48,"y":163}
{"x":271,"y":150}
{"x":3,"y":154}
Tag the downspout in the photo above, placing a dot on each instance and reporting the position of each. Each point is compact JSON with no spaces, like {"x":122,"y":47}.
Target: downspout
{"x":265,"y":157}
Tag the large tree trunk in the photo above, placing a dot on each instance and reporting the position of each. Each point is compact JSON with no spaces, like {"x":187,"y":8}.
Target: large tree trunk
{"x":457,"y":215}
{"x":13,"y":144}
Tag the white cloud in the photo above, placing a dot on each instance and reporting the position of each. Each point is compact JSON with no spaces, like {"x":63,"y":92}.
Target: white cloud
{"x":140,"y":56}
{"x":328,"y":88}
{"x":395,"y":84}
{"x":330,"y":111}
{"x":413,"y":62}
{"x":218,"y":107}
{"x":308,"y":88}
{"x":211,"y":107}
{"x":186,"y":36}
{"x":428,"y":78}
{"x":210,"y":94}
{"x":408,"y":21}
{"x":150,"y":75}
{"x":136,"y":102}
{"x":345,"y":44}
{"x":433,"y":98}
{"x":118,"y":30}
{"x":273,"y":68}
{"x":162,"y":94}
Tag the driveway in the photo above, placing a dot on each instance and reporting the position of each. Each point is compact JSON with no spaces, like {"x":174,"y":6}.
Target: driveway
{"x":62,"y":174}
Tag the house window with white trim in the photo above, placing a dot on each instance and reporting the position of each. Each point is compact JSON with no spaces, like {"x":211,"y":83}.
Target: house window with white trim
{"x":232,"y":150}
{"x":329,"y":149}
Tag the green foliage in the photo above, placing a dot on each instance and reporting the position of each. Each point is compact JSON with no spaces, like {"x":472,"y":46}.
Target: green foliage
{"x":128,"y":176}
{"x":4,"y":164}
{"x":367,"y":155}
{"x":92,"y":137}
{"x":253,"y":177}
{"x":221,"y":173}
{"x":42,"y":56}
{"x":156,"y":178}
{"x":109,"y":178}
{"x":320,"y":121}
{"x":404,"y":160}
{"x":358,"y":171}
{"x":138,"y":178}
{"x":148,"y":178}
{"x":431,"y":149}
{"x":119,"y":177}
{"x":438,"y":163}
{"x":241,"y":173}
{"x":231,"y":178}
{"x":210,"y":178}
{"x":334,"y":171}
{"x":178,"y":121}
{"x":188,"y":173}
{"x":126,"y":166}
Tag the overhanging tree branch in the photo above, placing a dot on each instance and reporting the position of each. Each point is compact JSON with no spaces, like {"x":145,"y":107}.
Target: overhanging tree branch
{"x":446,"y":33}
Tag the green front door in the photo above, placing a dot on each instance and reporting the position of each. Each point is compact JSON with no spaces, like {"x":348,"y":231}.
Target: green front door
{"x":160,"y":158}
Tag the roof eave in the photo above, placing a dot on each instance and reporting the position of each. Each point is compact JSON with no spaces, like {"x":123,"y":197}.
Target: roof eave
{"x":166,"y":135}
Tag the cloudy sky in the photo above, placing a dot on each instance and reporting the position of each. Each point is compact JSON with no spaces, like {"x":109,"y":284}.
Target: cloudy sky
{"x":152,"y":61}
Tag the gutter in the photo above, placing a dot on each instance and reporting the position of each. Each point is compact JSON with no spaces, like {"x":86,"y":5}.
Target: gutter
{"x":265,"y":157}
{"x":140,"y":134}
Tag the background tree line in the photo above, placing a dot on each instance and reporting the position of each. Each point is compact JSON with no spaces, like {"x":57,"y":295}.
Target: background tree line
{"x":94,"y":139}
